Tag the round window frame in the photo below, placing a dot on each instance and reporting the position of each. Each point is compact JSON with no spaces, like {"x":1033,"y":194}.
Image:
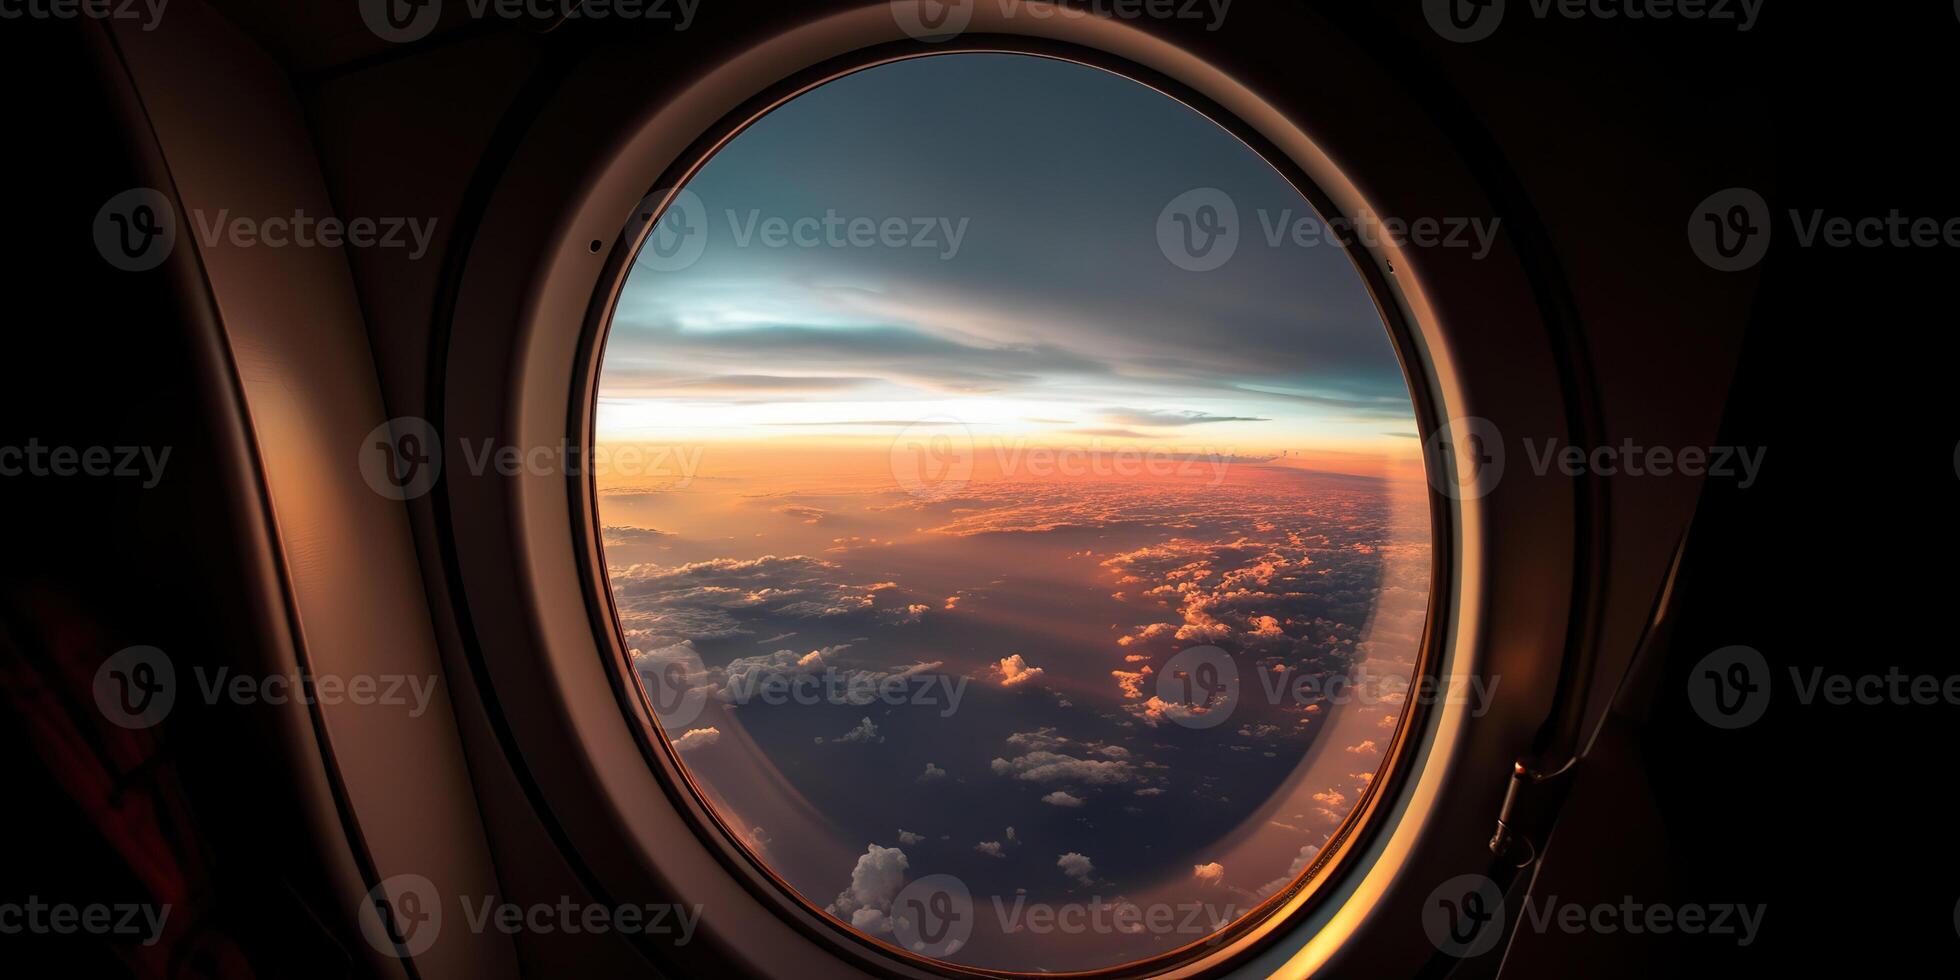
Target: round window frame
{"x":1224,"y":946}
{"x":534,"y":655}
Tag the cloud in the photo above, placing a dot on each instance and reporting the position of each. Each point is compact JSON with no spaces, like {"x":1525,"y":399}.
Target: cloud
{"x":738,"y":388}
{"x":746,"y":679}
{"x":991,"y":848}
{"x":932,"y":774}
{"x":909,"y":838}
{"x":866,"y":731}
{"x":1054,"y":767}
{"x":1040,"y":739}
{"x":699,"y":738}
{"x":615,"y":535}
{"x":1078,"y":867}
{"x":890,"y":352}
{"x":905,"y":615}
{"x":1209,"y":874}
{"x":1059,"y":798}
{"x":1293,"y":872}
{"x":1138,"y":416}
{"x":1156,"y":711}
{"x":809,"y":515}
{"x":711,"y":599}
{"x":1014,"y":671}
{"x":875,"y":881}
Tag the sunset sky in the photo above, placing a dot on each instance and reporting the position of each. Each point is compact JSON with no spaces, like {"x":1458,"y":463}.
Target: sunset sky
{"x":1057,"y":318}
{"x":1145,"y":462}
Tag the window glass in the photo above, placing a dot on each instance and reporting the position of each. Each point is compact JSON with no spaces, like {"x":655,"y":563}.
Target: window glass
{"x":1013,"y":508}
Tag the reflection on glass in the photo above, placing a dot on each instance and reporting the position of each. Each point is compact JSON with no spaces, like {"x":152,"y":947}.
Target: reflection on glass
{"x":1022,"y":547}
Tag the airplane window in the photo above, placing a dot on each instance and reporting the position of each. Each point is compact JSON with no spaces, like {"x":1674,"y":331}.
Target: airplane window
{"x":1013,"y":509}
